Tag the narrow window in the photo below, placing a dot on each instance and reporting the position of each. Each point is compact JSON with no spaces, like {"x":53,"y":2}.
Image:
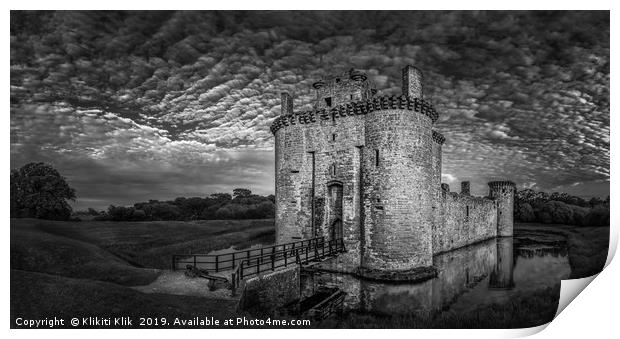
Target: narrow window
{"x":376,"y":158}
{"x":351,"y":97}
{"x":334,"y":137}
{"x":333,"y":169}
{"x":328,"y":102}
{"x":467,"y":211}
{"x":337,"y":79}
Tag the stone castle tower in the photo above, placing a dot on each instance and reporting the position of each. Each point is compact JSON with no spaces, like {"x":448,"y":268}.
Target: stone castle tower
{"x":367,"y":169}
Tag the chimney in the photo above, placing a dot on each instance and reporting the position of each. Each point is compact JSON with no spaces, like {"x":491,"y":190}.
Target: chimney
{"x":412,"y":82}
{"x":465,"y":187}
{"x":286,"y":103}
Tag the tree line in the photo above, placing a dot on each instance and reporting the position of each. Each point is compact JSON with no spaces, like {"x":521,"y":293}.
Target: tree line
{"x":560,"y":208}
{"x":39,"y":191}
{"x":242,"y":204}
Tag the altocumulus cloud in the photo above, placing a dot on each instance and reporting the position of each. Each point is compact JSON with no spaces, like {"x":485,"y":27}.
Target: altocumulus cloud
{"x":137,"y":105}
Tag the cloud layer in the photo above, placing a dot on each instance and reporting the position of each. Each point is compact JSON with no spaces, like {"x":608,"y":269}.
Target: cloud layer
{"x":137,"y":105}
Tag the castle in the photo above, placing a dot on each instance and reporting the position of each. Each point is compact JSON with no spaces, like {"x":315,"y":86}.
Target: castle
{"x":367,"y":169}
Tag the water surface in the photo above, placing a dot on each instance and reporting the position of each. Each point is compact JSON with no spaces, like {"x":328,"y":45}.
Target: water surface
{"x":488,"y":272}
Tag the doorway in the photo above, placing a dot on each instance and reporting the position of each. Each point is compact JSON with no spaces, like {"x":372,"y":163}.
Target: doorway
{"x":335,"y":210}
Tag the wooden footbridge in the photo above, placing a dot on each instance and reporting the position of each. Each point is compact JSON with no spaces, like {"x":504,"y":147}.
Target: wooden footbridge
{"x":241,"y":265}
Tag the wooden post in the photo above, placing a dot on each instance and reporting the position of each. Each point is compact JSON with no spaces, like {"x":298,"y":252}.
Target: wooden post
{"x":217,"y":263}
{"x":194,"y":261}
{"x":233,"y":264}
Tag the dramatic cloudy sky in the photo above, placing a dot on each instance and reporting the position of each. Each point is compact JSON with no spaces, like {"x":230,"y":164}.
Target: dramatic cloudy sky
{"x":137,"y":106}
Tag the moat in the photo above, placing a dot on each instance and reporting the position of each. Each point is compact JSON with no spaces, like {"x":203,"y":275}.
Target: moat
{"x":492,"y":271}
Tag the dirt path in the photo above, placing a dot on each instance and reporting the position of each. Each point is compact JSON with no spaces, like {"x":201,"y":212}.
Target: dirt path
{"x":177,"y":283}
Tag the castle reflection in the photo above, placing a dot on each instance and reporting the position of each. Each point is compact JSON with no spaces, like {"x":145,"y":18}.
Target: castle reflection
{"x":486,"y":272}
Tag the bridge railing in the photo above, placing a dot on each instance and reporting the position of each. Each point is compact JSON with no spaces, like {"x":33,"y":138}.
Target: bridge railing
{"x":229,"y":261}
{"x":252,"y":267}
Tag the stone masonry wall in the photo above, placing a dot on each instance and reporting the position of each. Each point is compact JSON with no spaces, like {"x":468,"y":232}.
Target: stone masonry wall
{"x":336,"y":148}
{"x":397,"y":190}
{"x":436,"y":161}
{"x":264,"y":294}
{"x":460,"y":229}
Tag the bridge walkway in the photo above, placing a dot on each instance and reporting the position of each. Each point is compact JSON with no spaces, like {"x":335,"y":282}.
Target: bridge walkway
{"x":241,"y":265}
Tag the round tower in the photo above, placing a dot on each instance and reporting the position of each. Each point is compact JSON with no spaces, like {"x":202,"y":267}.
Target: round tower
{"x":398,"y":185}
{"x":504,"y":193}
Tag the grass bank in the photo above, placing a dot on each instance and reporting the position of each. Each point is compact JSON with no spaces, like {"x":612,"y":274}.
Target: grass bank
{"x":38,"y":296}
{"x":149,"y":244}
{"x":76,"y":269}
{"x":587,"y":246}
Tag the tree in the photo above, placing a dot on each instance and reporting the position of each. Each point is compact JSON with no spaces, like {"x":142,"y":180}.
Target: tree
{"x":595,"y":201}
{"x":39,"y":191}
{"x":221,"y":197}
{"x":241,"y":193}
{"x":525,"y":213}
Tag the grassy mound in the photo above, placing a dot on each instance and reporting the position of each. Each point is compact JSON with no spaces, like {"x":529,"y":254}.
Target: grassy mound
{"x":35,"y":250}
{"x":38,"y":295}
{"x":152,"y":243}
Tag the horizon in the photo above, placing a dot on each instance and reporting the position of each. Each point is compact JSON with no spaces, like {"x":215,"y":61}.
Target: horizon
{"x":132,"y":106}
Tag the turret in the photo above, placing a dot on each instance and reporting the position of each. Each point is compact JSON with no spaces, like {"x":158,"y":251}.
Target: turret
{"x":286,"y":103}
{"x":412,"y":82}
{"x":504,"y":194}
{"x":465,"y":188}
{"x":436,"y":155}
{"x":343,"y":88}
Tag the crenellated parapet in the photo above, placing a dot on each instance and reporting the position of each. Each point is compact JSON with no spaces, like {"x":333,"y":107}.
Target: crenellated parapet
{"x":438,"y":138}
{"x":357,"y":108}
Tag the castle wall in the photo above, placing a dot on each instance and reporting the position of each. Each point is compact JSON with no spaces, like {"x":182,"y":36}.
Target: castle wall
{"x":460,"y":229}
{"x":368,"y":169}
{"x":292,"y":185}
{"x":397,"y":190}
{"x":326,"y":153}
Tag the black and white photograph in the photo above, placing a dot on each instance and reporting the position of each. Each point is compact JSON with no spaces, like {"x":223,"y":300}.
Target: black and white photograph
{"x":303,"y":169}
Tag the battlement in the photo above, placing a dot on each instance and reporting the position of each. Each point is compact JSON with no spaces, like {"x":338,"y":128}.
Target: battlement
{"x":357,"y":108}
{"x":438,"y":137}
